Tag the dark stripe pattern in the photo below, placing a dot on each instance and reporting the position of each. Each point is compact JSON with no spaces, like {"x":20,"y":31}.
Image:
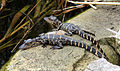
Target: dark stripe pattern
{"x":69,"y":41}
{"x":87,"y":47}
{"x":86,"y":36}
{"x":72,"y":29}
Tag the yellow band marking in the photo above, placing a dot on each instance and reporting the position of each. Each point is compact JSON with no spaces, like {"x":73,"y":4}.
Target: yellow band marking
{"x":82,"y":44}
{"x":75,"y":43}
{"x":83,"y":35}
{"x":86,"y":47}
{"x":78,"y":44}
{"x":96,"y":53}
{"x":71,"y":41}
{"x":91,"y":49}
{"x":86,"y":36}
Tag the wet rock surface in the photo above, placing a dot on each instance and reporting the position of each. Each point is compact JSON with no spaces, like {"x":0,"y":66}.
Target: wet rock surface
{"x":74,"y":58}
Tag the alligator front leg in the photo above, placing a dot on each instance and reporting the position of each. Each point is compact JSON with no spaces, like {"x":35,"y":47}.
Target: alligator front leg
{"x":54,"y":29}
{"x":60,"y":46}
{"x":43,"y":43}
{"x":58,"y":28}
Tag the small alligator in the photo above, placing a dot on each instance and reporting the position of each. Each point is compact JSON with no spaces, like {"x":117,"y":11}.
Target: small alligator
{"x":58,"y":41}
{"x":33,"y":43}
{"x":71,"y":28}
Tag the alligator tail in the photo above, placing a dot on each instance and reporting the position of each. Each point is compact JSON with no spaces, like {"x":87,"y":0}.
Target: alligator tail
{"x":86,"y":36}
{"x":87,"y":47}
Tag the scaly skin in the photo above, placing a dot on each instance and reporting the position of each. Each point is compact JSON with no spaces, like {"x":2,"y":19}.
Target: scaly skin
{"x":72,"y":29}
{"x":58,"y":41}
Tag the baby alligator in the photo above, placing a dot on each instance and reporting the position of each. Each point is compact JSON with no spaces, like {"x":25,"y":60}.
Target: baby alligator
{"x":71,"y":28}
{"x":58,"y":41}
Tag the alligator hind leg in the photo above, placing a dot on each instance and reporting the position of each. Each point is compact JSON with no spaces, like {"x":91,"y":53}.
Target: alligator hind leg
{"x":69,"y":33}
{"x":58,"y":46}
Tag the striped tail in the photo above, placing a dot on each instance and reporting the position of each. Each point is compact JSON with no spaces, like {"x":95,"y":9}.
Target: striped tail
{"x":87,"y":47}
{"x":86,"y":36}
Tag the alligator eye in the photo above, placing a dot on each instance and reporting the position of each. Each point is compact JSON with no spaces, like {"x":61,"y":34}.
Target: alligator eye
{"x":49,"y":18}
{"x":27,"y":43}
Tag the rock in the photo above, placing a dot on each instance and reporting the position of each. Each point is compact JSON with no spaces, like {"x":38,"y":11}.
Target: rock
{"x":102,"y":65}
{"x":111,"y":49}
{"x":38,"y":58}
{"x":96,"y":21}
{"x":73,"y":58}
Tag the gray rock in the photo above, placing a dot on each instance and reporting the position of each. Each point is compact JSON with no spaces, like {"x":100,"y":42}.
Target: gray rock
{"x":73,"y":58}
{"x":111,"y":49}
{"x":96,"y":21}
{"x":102,"y":65}
{"x":38,"y":58}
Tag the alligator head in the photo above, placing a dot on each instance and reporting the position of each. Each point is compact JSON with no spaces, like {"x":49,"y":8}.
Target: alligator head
{"x":29,"y":43}
{"x":52,"y":20}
